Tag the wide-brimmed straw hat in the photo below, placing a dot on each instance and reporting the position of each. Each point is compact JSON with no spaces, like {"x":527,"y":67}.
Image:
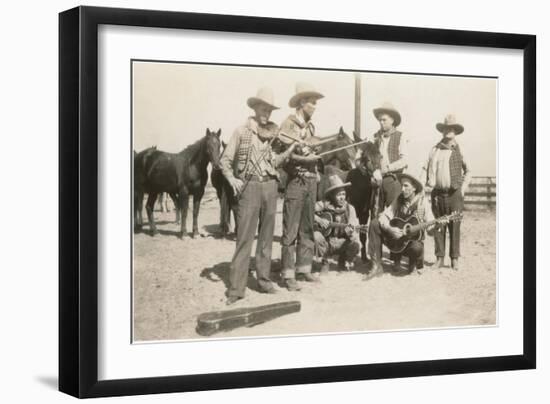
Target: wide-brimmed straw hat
{"x":388,"y":108}
{"x":264,"y":96}
{"x":416,"y":183}
{"x":335,"y":183}
{"x":450,"y":123}
{"x":303,"y":90}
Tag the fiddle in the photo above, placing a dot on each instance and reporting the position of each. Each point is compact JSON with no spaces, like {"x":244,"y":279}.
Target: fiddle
{"x":309,"y":145}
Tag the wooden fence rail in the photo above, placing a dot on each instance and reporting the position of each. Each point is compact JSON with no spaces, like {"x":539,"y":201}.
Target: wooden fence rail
{"x":481,"y":192}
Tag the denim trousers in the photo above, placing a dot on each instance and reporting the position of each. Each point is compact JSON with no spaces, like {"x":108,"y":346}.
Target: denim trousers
{"x":445,"y":203}
{"x":298,"y":219}
{"x":258,"y":202}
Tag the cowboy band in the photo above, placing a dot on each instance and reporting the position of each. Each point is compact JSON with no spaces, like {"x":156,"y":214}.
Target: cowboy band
{"x":260,"y":155}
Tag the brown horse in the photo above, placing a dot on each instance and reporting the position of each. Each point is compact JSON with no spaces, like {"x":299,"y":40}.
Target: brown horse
{"x":181,"y":175}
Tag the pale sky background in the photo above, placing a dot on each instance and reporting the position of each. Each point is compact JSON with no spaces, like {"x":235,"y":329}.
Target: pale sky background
{"x":174,"y":103}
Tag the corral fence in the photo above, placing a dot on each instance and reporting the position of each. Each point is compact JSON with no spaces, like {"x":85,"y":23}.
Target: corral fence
{"x":482,"y":192}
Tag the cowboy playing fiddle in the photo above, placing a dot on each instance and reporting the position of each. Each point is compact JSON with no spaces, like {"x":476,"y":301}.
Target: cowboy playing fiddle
{"x":301,"y":189}
{"x":249,"y":165}
{"x":334,"y":211}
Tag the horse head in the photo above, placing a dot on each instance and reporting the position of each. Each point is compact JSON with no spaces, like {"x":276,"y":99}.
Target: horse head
{"x":343,"y":159}
{"x":369,"y":158}
{"x":213,"y":147}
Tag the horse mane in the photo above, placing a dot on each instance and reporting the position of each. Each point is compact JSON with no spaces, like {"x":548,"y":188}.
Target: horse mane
{"x":194,"y":149}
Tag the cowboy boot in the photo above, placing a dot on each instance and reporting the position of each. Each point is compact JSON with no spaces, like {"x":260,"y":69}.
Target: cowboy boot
{"x":454,"y":263}
{"x":307,"y":276}
{"x":375,"y":271}
{"x":292,"y":285}
{"x":325,"y":267}
{"x":397,"y":266}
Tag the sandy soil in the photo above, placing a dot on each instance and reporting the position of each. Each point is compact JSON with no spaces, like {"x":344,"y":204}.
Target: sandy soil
{"x":176,"y":280}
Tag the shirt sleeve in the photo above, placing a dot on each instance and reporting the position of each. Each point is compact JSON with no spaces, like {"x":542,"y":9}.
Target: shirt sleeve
{"x":280,"y":159}
{"x":319,"y":206}
{"x":403,"y":153}
{"x":428,"y":215}
{"x":467,"y":173}
{"x":353,"y":220}
{"x":228,"y":156}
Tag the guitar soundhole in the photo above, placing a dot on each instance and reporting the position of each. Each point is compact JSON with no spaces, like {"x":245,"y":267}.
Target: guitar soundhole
{"x":406,"y":229}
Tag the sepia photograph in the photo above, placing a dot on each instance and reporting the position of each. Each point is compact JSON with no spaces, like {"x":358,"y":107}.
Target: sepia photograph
{"x":273,"y":201}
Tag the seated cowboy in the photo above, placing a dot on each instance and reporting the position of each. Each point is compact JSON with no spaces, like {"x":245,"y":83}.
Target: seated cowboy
{"x":410,"y":202}
{"x":336,"y":221}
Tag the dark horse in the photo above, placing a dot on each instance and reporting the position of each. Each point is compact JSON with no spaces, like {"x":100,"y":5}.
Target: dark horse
{"x":228,"y":201}
{"x":363,"y":191}
{"x":181,"y":175}
{"x":343,"y":159}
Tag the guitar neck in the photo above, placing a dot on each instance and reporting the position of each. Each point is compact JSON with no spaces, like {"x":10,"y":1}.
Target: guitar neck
{"x":422,"y":226}
{"x":342,"y":225}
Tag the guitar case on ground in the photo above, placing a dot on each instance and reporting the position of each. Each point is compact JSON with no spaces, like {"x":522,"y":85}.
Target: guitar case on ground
{"x":226,"y":320}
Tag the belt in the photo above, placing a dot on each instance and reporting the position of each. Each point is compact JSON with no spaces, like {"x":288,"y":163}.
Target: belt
{"x":306,"y":174}
{"x":440,"y":191}
{"x":262,"y":178}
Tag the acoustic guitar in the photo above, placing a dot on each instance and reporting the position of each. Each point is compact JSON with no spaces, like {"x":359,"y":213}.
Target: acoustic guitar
{"x":336,"y":225}
{"x":412,"y":230}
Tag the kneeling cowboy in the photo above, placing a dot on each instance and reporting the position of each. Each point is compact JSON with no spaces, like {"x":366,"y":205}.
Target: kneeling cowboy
{"x":411,"y":201}
{"x":337,"y":221}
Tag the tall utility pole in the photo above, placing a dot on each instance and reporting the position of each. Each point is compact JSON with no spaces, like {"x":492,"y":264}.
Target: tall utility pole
{"x":357,"y":131}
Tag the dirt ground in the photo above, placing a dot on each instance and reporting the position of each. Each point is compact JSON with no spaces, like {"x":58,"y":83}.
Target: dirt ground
{"x":176,"y":280}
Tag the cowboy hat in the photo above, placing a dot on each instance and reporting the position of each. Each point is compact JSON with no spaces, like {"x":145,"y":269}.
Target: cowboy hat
{"x":264,"y":96}
{"x":388,"y":108}
{"x":415,"y":182}
{"x":450,"y":123}
{"x":335,"y":183}
{"x":303,"y":90}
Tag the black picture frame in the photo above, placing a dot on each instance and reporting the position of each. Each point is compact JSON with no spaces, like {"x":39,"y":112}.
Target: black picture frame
{"x":78,"y":201}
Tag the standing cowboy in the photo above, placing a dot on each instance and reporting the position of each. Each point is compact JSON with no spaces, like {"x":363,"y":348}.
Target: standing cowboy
{"x":393,"y":148}
{"x":448,"y":174}
{"x":342,"y":239}
{"x":392,"y":145}
{"x":301,"y":190}
{"x":249,"y":165}
{"x":410,"y":201}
